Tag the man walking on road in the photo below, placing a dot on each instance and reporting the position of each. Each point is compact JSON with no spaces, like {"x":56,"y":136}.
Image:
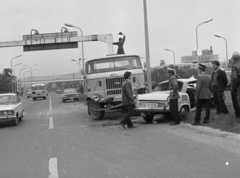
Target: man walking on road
{"x":174,"y":95}
{"x":220,"y":81}
{"x":235,"y":85}
{"x":127,"y":101}
{"x":203,"y":95}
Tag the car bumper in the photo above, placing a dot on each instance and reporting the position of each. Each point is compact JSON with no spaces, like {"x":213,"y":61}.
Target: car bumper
{"x":155,"y":110}
{"x":73,"y":98}
{"x":7,"y":119}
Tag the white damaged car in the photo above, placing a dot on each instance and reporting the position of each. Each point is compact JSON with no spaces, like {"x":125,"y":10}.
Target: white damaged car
{"x":158,"y":102}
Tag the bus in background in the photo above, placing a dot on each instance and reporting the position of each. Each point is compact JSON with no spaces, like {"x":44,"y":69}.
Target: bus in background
{"x":39,"y":91}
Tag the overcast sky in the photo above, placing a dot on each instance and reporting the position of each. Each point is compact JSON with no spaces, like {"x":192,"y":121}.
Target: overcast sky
{"x":172,"y":24}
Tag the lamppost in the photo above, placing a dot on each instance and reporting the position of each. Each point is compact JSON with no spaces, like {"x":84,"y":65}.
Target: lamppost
{"x":20,"y":77}
{"x":79,"y":65}
{"x":12,"y":70}
{"x":147,"y":46}
{"x":197,"y":34}
{"x":70,"y":25}
{"x":226,"y":61}
{"x":35,"y":33}
{"x":173,"y":57}
{"x":14,"y":75}
{"x":31,"y":71}
{"x":24,"y":81}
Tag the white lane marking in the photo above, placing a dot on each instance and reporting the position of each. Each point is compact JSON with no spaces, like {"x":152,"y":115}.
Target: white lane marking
{"x":53,"y":168}
{"x":50,"y":105}
{"x":50,"y":123}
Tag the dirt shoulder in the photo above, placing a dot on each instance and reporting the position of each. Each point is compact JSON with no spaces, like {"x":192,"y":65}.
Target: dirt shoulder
{"x":224,"y":122}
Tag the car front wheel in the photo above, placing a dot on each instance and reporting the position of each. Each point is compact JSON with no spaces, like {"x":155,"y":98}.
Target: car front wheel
{"x":15,"y":122}
{"x":183,"y":111}
{"x":148,"y":118}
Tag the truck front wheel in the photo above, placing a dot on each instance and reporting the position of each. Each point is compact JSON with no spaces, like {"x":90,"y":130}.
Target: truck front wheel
{"x":96,"y":115}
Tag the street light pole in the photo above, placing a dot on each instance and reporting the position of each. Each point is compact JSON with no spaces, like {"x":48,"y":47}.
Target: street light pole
{"x":147,"y":47}
{"x":20,"y":77}
{"x":14,"y":75}
{"x":197,"y":35}
{"x":70,"y":25}
{"x":226,"y":61}
{"x":173,"y":57}
{"x":31,"y":71}
{"x":24,"y":81}
{"x":12,"y":70}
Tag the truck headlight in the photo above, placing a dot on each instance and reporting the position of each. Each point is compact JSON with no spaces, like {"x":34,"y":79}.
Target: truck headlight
{"x":96,"y":98}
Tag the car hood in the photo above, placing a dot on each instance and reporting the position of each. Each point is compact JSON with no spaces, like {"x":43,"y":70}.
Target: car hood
{"x":158,"y":95}
{"x":7,"y":107}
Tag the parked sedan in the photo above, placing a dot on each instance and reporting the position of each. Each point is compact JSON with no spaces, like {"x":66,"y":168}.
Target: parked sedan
{"x":157,"y":102}
{"x":11,"y":109}
{"x":70,"y":94}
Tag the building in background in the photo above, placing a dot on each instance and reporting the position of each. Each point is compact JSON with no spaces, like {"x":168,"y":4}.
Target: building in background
{"x":206,"y":58}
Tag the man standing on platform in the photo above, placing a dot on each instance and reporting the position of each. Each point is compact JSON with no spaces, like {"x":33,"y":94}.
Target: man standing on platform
{"x":203,"y":95}
{"x":219,"y":79}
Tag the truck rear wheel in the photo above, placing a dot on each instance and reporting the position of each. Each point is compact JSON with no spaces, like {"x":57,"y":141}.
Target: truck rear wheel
{"x":148,"y":118}
{"x":96,"y":115}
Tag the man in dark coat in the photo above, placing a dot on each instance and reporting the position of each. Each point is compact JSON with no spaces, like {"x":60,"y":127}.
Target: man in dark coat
{"x":127,"y":101}
{"x":235,"y":83}
{"x":174,"y":95}
{"x":120,"y":44}
{"x":219,"y":81}
{"x":203,"y":95}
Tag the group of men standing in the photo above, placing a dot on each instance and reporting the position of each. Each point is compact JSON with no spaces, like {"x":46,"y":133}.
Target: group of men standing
{"x":207,"y":86}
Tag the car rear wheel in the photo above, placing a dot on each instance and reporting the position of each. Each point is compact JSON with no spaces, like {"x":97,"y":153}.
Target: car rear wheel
{"x":183,"y":111}
{"x":148,"y":118}
{"x":96,"y":115}
{"x":63,"y":101}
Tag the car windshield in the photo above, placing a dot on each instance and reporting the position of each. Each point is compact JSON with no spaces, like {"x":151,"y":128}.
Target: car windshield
{"x":7,"y":99}
{"x":164,"y":86}
{"x":71,"y":90}
{"x":113,"y":64}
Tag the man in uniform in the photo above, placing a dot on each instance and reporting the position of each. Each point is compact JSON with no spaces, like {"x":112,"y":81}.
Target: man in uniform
{"x":127,"y":101}
{"x":235,"y":89}
{"x":174,"y":95}
{"x":219,"y":79}
{"x":203,"y":95}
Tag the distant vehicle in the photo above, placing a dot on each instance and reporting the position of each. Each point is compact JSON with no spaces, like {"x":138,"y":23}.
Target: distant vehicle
{"x":39,"y":91}
{"x":11,"y":109}
{"x":70,"y":94}
{"x":59,"y":91}
{"x":29,"y":93}
{"x":158,"y":102}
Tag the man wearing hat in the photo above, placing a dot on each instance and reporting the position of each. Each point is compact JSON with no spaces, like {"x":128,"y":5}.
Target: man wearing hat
{"x":235,"y":89}
{"x":174,"y":95}
{"x":219,"y":79}
{"x":203,"y":95}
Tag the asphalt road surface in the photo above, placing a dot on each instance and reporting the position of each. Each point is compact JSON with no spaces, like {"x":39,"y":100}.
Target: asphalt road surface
{"x":58,"y":139}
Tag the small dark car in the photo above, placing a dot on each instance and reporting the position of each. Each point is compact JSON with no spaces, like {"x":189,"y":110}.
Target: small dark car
{"x":70,"y":94}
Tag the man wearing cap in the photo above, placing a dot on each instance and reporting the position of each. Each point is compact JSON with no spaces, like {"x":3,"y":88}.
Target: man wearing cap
{"x":174,"y":95}
{"x":219,"y":80}
{"x":127,"y":101}
{"x":203,"y":95}
{"x":235,"y":85}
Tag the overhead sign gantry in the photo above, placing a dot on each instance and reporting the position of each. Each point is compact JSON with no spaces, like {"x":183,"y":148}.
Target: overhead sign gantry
{"x":51,"y":41}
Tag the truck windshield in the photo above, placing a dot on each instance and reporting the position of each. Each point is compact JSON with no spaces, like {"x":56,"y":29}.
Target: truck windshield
{"x":113,"y":64}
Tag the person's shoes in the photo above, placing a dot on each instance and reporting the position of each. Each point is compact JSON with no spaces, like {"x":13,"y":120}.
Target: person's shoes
{"x":205,"y":121}
{"x":122,"y":125}
{"x":132,"y":127}
{"x":195,"y":123}
{"x":174,"y":123}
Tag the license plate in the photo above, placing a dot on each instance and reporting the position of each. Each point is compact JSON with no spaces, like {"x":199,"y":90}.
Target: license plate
{"x":151,"y":105}
{"x":119,"y":96}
